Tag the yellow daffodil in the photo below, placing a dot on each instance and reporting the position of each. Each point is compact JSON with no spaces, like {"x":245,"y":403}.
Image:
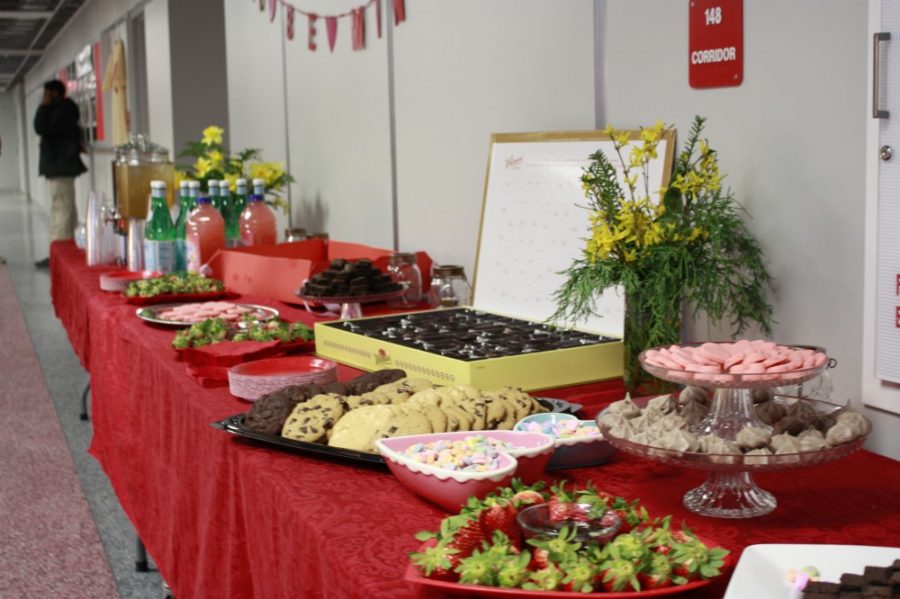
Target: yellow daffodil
{"x":202,"y":167}
{"x":212,"y":135}
{"x":216,"y":158}
{"x":232,"y":181}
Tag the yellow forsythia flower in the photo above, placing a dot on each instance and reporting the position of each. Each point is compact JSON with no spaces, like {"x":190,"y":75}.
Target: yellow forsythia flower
{"x":232,"y":181}
{"x":202,"y":167}
{"x":217,"y":159}
{"x":212,"y":135}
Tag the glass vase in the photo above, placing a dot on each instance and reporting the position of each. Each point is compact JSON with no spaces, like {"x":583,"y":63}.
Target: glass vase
{"x":649,"y":322}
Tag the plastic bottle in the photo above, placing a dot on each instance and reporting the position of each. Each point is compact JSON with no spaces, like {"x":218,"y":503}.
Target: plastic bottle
{"x":257,"y":220}
{"x":186,"y":203}
{"x":159,"y":232}
{"x":204,"y":235}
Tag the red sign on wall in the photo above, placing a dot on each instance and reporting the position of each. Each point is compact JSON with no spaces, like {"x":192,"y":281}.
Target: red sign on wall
{"x":716,"y":46}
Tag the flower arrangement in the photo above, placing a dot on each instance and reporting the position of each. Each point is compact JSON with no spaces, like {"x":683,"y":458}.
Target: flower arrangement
{"x":213,"y":161}
{"x":683,"y":243}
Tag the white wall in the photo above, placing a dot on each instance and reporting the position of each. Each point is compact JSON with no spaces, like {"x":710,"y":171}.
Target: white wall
{"x":159,"y":73}
{"x":462,"y":71}
{"x":9,"y":136}
{"x":467,"y":69}
{"x":791,"y":139}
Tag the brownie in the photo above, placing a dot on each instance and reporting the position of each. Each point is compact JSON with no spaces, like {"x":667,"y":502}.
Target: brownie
{"x":894,"y":580}
{"x":808,"y":595}
{"x":873,"y":575}
{"x":850,"y":595}
{"x":876,"y":592}
{"x":818,"y":586}
{"x":852,"y":582}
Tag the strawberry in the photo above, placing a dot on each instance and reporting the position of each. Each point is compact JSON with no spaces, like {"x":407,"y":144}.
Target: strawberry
{"x":500,"y":515}
{"x":561,"y":547}
{"x":580,"y":574}
{"x":694,"y":560}
{"x":659,"y":537}
{"x":513,"y":572}
{"x":629,"y":547}
{"x":546,"y":579}
{"x":527,"y":497}
{"x":657,"y":573}
{"x":437,"y":562}
{"x":478,"y":568}
{"x":540,"y":559}
{"x":468,"y":537}
{"x":616,"y":574}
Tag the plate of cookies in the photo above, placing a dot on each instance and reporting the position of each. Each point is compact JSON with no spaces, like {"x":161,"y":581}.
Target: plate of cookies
{"x":346,"y":419}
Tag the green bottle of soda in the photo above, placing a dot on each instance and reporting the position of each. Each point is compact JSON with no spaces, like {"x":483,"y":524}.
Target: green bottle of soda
{"x":159,"y":232}
{"x":233,"y":208}
{"x":215,"y":197}
{"x":184,"y":208}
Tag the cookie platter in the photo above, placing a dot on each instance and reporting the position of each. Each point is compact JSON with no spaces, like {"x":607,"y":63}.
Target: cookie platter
{"x":287,"y":418}
{"x":475,"y":347}
{"x":186,"y":314}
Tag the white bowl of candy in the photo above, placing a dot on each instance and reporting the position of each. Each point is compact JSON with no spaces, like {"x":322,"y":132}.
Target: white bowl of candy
{"x":578,"y":443}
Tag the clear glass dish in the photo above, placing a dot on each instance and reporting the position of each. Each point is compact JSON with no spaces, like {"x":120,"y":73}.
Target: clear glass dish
{"x":730,"y":491}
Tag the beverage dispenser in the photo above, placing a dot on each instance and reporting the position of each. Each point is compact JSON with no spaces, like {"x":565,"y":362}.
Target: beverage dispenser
{"x":136,"y":164}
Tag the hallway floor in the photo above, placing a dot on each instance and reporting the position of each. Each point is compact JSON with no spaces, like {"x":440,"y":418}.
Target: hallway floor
{"x":23,"y":240}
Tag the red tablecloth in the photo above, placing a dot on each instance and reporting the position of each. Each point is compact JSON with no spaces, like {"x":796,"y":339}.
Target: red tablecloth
{"x":226,"y":518}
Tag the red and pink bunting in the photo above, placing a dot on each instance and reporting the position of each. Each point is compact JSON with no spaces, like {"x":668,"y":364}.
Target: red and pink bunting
{"x":331,"y":30}
{"x":357,"y":21}
{"x":378,"y":17}
{"x":290,"y":22}
{"x":311,"y":32}
{"x":399,"y":11}
{"x":359,"y":28}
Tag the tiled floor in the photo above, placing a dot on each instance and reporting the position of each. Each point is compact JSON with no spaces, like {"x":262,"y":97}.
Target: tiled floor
{"x":23,"y":239}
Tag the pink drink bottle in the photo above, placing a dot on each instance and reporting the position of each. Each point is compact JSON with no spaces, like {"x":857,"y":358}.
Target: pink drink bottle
{"x":257,"y":224}
{"x":204,"y":234}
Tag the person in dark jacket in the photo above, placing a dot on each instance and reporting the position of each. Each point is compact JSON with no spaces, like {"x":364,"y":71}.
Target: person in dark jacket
{"x":57,"y":122}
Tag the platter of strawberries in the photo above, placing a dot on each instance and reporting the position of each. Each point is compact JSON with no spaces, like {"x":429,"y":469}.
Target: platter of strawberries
{"x":490,"y":549}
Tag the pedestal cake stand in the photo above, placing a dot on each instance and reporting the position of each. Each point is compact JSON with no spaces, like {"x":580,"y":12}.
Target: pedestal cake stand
{"x":351,"y":305}
{"x":730,"y":491}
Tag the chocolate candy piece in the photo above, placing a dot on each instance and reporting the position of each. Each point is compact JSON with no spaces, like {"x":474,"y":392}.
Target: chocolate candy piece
{"x":851,"y":582}
{"x":875,"y":575}
{"x":818,"y":586}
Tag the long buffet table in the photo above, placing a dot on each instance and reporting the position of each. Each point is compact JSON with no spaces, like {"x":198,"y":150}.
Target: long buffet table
{"x":226,"y":518}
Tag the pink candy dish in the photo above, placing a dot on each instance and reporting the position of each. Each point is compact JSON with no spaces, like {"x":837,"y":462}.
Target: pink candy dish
{"x":451,"y":489}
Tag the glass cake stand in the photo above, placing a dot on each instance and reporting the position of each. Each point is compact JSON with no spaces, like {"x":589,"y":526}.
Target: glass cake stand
{"x":730,"y":491}
{"x":351,"y":305}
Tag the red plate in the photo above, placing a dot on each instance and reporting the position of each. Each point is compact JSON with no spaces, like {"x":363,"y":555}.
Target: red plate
{"x":278,"y":367}
{"x":412,"y":575}
{"x":250,"y":380}
{"x":174,"y":297}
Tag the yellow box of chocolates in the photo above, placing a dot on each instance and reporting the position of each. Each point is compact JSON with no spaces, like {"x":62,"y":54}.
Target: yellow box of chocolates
{"x":467,"y":346}
{"x":532,"y":226}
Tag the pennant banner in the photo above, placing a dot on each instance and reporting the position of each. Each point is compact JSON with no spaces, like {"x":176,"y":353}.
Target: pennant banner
{"x":357,"y":21}
{"x":331,"y":30}
{"x":290,"y":22}
{"x":311,"y":33}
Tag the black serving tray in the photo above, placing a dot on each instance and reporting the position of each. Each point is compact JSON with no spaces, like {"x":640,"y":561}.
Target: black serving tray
{"x":235,"y":425}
